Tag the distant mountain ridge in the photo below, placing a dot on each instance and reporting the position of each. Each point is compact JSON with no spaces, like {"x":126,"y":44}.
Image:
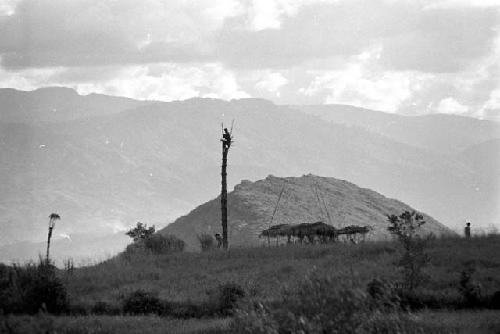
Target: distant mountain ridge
{"x":251,"y":205}
{"x":440,"y":133}
{"x":58,"y":104}
{"x":105,"y":169}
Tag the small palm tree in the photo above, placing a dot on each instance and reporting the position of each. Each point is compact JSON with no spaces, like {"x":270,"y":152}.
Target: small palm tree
{"x":52,"y":223}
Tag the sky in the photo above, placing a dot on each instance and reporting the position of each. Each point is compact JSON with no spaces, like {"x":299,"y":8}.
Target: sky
{"x":399,"y":56}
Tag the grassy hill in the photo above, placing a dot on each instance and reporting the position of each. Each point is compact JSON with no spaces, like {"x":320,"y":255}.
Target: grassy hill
{"x":305,"y":199}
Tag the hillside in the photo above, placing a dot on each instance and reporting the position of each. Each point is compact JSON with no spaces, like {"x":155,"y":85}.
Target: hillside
{"x":440,"y":133}
{"x":155,"y":161}
{"x":251,"y":205}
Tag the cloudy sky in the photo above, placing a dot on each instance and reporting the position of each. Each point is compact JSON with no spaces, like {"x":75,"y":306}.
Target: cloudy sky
{"x":402,"y":56}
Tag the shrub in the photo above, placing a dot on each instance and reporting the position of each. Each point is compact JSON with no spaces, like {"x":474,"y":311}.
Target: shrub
{"x":159,"y":244}
{"x":222,"y":301}
{"x":8,"y":296}
{"x":146,"y":239}
{"x":468,"y":287}
{"x":142,"y":302}
{"x":405,"y":227}
{"x":141,"y":231}
{"x":189,"y":309}
{"x":229,"y":294}
{"x":382,"y":292}
{"x":156,"y":244}
{"x":495,"y":300}
{"x":134,"y":248}
{"x":30,"y":288}
{"x":322,"y":305}
{"x":207,"y":242}
{"x":103,"y":308}
{"x":422,"y":299}
{"x":78,"y":309}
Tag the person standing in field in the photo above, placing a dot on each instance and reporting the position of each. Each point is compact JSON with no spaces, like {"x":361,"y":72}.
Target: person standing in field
{"x":219,"y":240}
{"x":467,"y":231}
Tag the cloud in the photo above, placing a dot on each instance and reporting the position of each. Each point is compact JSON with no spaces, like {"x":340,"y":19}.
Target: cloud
{"x":404,"y":56}
{"x":451,"y":106}
{"x":29,"y":79}
{"x":443,"y":40}
{"x":7,"y":7}
{"x":461,"y":3}
{"x":317,"y":31}
{"x":271,"y":82}
{"x":48,"y":33}
{"x":473,"y":88}
{"x":168,"y":82}
{"x":491,"y":108}
{"x":269,"y":14}
{"x":357,"y":84}
{"x":165,"y":81}
{"x":412,"y":36}
{"x":242,"y":34}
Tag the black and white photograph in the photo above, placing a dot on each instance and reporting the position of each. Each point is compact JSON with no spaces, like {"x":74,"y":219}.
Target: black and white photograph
{"x":249,"y":166}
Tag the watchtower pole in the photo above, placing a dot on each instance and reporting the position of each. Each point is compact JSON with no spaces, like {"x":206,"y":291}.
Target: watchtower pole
{"x":226,"y":144}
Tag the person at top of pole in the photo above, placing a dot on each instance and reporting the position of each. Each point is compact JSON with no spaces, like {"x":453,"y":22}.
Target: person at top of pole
{"x":226,"y":138}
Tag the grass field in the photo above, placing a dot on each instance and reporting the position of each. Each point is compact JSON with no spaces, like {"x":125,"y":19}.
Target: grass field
{"x":44,"y":324}
{"x":265,"y":273}
{"x":466,"y":322}
{"x":460,"y":322}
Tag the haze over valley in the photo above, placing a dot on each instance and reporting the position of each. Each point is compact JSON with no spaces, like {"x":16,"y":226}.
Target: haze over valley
{"x":104,"y":163}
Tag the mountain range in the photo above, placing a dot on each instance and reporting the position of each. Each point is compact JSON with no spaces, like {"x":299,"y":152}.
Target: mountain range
{"x":103,"y":163}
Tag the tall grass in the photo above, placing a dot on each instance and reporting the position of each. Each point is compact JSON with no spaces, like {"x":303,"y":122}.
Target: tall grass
{"x":43,"y":323}
{"x":187,"y":285}
{"x":31,"y":288}
{"x":322,"y":305}
{"x":263,"y":271}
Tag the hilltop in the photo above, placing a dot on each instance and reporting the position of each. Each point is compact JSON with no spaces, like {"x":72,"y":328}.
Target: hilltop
{"x":251,"y":205}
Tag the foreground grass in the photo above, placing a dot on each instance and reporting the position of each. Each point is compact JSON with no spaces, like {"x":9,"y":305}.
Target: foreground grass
{"x":466,"y":322}
{"x":46,"y":324}
{"x":459,"y":322}
{"x":263,"y":272}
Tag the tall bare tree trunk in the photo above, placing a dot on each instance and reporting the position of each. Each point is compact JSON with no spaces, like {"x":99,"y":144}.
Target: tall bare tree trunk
{"x":223,"y":196}
{"x":48,"y":244}
{"x":52,"y":223}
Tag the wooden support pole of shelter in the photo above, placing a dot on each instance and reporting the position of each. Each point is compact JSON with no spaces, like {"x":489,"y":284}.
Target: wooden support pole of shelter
{"x":321,"y":200}
{"x":274,"y":212}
